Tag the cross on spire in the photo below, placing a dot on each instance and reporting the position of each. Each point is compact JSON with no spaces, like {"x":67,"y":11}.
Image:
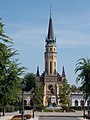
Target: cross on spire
{"x":50,"y":10}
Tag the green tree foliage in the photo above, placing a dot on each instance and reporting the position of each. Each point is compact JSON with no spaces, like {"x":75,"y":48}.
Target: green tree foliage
{"x":30,"y":83}
{"x":29,"y":80}
{"x":83,"y":70}
{"x":64,"y":93}
{"x":10,"y":70}
{"x":39,"y":94}
{"x":73,"y":88}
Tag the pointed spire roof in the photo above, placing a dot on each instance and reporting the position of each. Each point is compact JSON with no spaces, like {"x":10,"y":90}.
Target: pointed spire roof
{"x":63,"y":72}
{"x":50,"y":29}
{"x":37,"y":74}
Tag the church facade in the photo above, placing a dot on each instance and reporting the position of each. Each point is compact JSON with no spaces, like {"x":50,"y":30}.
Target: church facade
{"x":50,"y":79}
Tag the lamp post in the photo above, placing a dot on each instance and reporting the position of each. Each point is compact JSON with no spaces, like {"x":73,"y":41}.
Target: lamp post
{"x":84,"y":100}
{"x":23,"y":87}
{"x":89,"y":105}
{"x":33,"y":95}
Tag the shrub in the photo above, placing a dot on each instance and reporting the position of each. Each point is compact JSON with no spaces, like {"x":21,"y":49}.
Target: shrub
{"x":41,"y":107}
{"x":48,"y":110}
{"x":9,"y":108}
{"x":75,"y":107}
{"x":58,"y":110}
{"x":16,"y":108}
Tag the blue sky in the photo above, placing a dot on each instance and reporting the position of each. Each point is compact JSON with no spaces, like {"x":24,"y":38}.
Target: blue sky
{"x":26,"y":22}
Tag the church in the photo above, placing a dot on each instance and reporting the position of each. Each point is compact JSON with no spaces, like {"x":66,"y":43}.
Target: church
{"x":50,"y":79}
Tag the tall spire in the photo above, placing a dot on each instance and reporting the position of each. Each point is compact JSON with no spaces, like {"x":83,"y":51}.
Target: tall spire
{"x":37,"y":74}
{"x":50,"y":10}
{"x":63,"y":72}
{"x":50,"y":29}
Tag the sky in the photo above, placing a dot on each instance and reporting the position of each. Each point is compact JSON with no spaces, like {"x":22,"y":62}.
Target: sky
{"x":26,"y":22}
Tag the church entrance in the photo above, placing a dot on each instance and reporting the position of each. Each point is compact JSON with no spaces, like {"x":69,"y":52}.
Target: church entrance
{"x":52,"y":101}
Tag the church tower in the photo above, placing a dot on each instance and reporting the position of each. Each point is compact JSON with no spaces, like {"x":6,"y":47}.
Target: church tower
{"x":50,"y":53}
{"x":50,"y":78}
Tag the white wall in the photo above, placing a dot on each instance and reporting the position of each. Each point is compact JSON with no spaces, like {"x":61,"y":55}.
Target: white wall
{"x":76,"y":96}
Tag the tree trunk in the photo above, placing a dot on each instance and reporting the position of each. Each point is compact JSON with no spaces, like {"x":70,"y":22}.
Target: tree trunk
{"x":3,"y":111}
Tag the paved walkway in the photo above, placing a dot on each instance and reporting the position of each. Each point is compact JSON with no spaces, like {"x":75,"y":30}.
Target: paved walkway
{"x":79,"y":114}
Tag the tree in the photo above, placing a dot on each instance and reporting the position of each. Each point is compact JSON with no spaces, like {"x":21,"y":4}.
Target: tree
{"x":10,"y":71}
{"x":29,"y":80}
{"x":39,"y":94}
{"x":64,"y":93}
{"x":83,"y":69}
{"x":73,"y":88}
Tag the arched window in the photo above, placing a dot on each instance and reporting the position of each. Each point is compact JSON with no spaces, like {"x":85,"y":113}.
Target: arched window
{"x":50,"y":49}
{"x":50,"y":67}
{"x":50,"y":86}
{"x":81,"y":103}
{"x":76,"y":103}
{"x":54,"y":49}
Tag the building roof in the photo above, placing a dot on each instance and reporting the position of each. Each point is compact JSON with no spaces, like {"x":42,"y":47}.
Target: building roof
{"x":63,"y":72}
{"x":50,"y":40}
{"x":37,"y":74}
{"x":50,"y":30}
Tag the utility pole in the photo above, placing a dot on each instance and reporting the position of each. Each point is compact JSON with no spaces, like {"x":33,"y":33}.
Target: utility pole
{"x":33,"y":95}
{"x":23,"y":86}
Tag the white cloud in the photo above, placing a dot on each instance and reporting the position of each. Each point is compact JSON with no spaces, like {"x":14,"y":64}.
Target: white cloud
{"x":72,"y":38}
{"x":73,"y":42}
{"x":33,"y":37}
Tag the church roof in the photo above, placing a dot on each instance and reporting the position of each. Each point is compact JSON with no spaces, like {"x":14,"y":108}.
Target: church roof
{"x":50,"y":40}
{"x":50,"y":30}
{"x":37,"y":74}
{"x":63,"y":72}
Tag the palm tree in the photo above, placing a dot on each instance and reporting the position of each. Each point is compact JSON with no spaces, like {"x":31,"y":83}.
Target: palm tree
{"x":83,"y":67}
{"x":29,"y":80}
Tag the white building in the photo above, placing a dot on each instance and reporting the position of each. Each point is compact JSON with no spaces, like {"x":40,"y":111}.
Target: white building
{"x":27,"y":96}
{"x":77,"y":99}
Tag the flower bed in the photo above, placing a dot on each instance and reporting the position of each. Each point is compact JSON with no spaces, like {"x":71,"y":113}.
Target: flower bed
{"x":19,"y":117}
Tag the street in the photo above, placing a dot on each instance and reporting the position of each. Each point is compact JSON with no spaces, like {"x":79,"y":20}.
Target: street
{"x":59,"y":118}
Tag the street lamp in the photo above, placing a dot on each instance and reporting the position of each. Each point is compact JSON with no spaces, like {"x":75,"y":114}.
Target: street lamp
{"x":23,"y":87}
{"x":84,"y":100}
{"x":33,"y":95}
{"x":89,"y":105}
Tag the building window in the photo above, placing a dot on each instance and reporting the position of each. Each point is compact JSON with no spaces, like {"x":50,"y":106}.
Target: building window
{"x":50,"y":49}
{"x":50,"y":67}
{"x":76,"y":103}
{"x":50,"y":86}
{"x":81,"y":103}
